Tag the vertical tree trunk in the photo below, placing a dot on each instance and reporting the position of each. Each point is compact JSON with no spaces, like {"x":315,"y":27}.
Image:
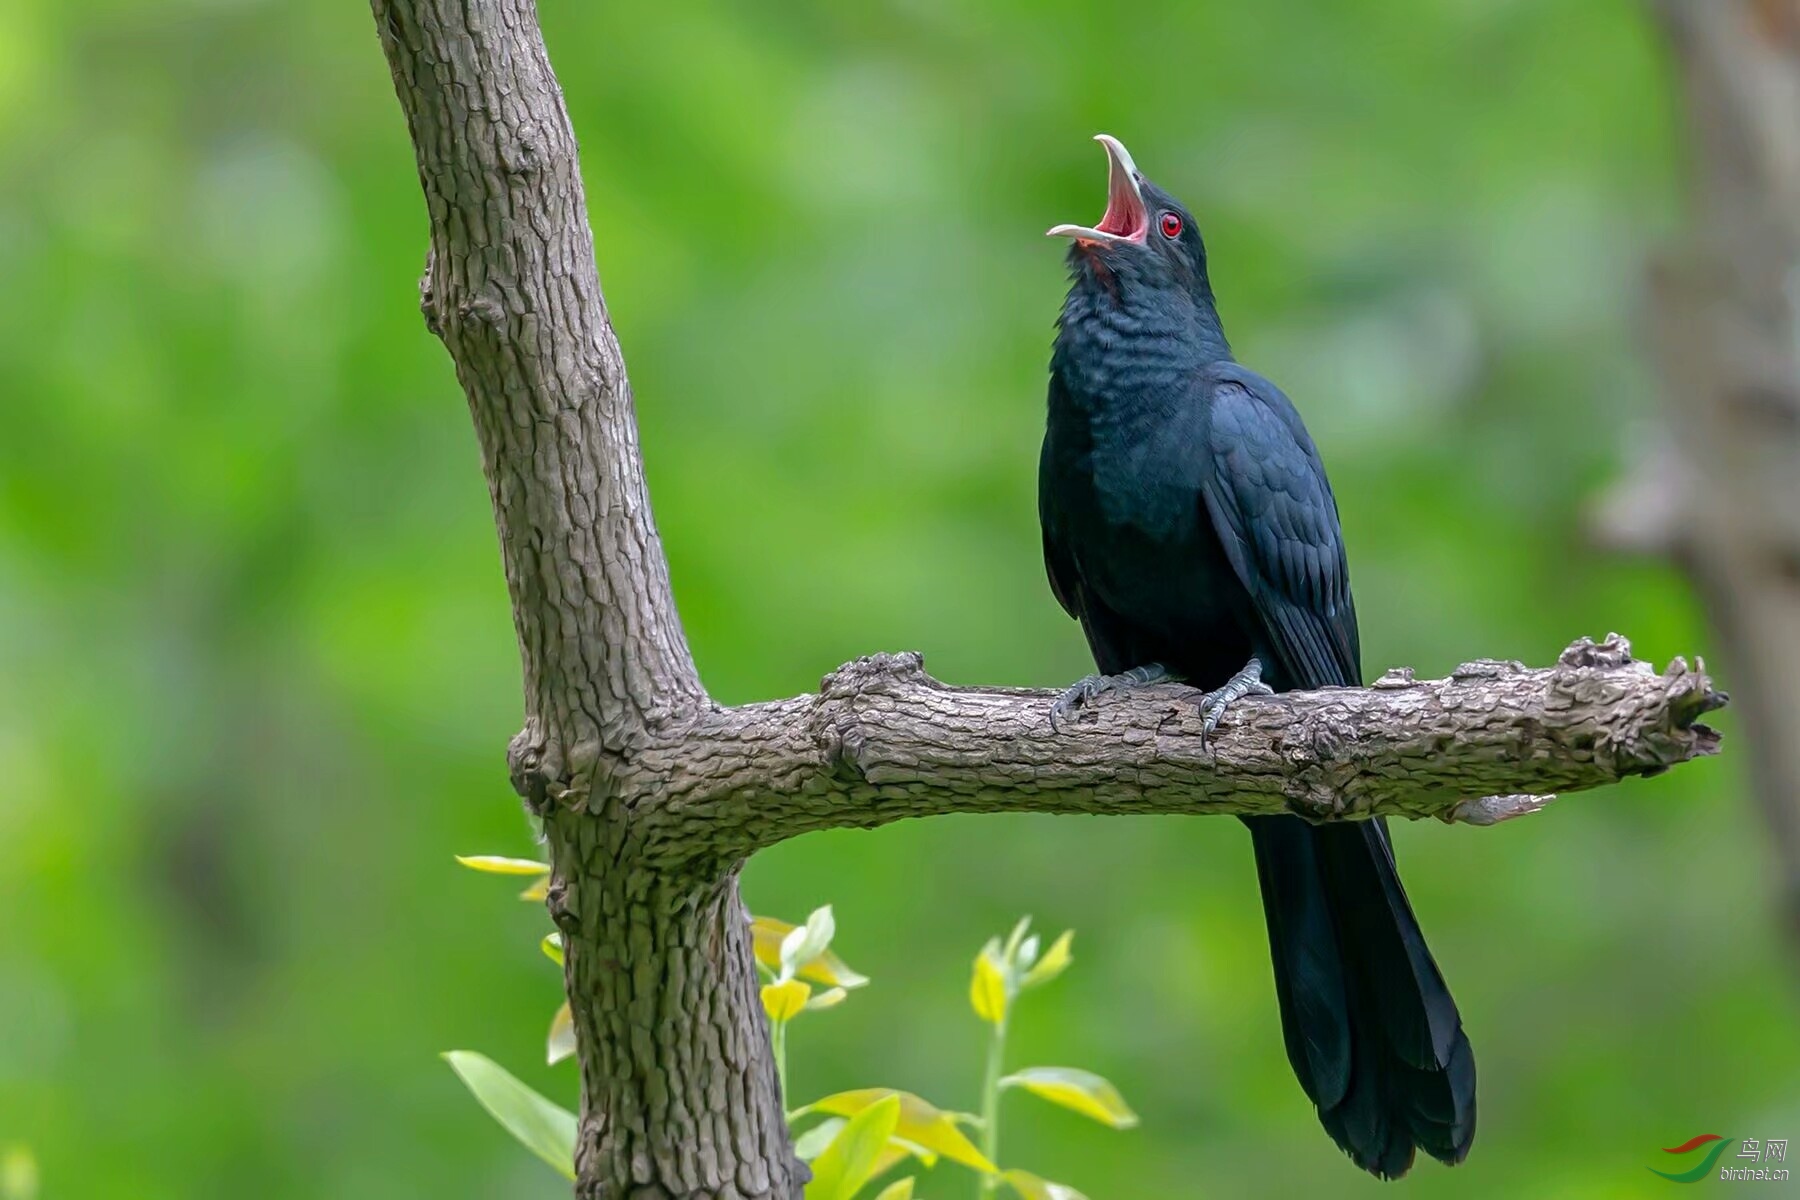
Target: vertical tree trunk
{"x":678,"y":1088}
{"x":1724,"y":498}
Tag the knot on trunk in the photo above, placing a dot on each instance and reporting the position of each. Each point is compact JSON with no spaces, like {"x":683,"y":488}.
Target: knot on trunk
{"x":1614,"y":651}
{"x":548,"y":775}
{"x":843,"y":743}
{"x":874,"y":673}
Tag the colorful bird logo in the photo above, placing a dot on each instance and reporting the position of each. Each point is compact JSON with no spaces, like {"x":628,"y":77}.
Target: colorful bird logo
{"x":1715,"y":1144}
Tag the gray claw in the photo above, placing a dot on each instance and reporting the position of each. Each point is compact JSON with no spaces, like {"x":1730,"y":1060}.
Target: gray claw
{"x":1247,"y":682}
{"x":1092,"y":686}
{"x":1078,"y":694}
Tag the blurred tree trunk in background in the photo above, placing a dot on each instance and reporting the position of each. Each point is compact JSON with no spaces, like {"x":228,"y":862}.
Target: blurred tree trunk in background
{"x":1722,"y":497}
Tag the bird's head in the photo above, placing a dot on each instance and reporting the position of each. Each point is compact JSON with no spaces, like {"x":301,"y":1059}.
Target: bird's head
{"x":1146,"y":236}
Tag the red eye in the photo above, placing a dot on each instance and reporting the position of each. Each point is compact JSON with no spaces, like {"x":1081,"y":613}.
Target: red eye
{"x":1171,"y":225}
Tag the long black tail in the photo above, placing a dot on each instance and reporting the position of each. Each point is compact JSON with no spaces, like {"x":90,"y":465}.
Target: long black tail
{"x":1370,"y":1026}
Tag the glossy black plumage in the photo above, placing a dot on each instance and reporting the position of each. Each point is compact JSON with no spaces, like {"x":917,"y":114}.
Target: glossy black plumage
{"x":1188,"y":521}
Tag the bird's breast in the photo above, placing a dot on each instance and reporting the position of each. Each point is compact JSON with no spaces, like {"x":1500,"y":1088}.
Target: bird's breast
{"x":1127,"y":495}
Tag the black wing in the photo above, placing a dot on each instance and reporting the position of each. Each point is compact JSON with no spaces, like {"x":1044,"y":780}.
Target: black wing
{"x":1059,"y":562}
{"x":1272,"y":507}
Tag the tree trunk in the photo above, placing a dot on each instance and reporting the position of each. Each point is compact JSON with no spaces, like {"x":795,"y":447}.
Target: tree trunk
{"x":1722,"y":496}
{"x":678,"y":1085}
{"x":652,"y":796}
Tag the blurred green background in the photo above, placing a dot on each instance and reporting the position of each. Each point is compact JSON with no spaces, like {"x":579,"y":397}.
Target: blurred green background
{"x":257,"y":671}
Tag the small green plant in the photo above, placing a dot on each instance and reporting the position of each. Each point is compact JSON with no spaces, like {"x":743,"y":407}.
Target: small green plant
{"x":1003,"y":972}
{"x":850,"y":1138}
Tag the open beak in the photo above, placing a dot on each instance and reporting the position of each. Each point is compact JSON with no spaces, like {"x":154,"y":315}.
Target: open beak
{"x":1126,"y":219}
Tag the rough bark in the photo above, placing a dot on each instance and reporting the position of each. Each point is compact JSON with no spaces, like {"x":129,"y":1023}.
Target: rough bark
{"x":652,"y":796}
{"x":678,"y":1088}
{"x":1721,"y":497}
{"x":882,"y":741}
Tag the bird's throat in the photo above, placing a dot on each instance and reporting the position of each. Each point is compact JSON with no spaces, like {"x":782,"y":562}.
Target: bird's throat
{"x":1113,"y":336}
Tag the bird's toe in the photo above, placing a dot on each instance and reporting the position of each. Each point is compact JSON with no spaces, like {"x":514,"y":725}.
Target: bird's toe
{"x":1074,"y":697}
{"x":1212,"y":711}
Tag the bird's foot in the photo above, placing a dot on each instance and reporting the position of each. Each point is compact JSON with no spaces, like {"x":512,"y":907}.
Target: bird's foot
{"x":1247,"y":682}
{"x":1092,"y":687}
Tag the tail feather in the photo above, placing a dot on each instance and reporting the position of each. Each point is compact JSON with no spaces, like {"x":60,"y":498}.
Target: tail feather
{"x":1370,"y":1027}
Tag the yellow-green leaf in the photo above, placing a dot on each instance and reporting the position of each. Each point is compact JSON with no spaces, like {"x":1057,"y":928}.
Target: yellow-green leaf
{"x":18,"y":1173}
{"x":545,"y":1129}
{"x":497,"y":864}
{"x":1080,"y":1091}
{"x":1031,"y":1187}
{"x":893,"y":1153}
{"x":827,"y":999}
{"x":847,"y":1164}
{"x":784,"y":1001}
{"x":812,"y":1143}
{"x":987,"y":990}
{"x":924,"y":1155}
{"x":921,"y":1123}
{"x":900,"y":1189}
{"x":539,"y":891}
{"x":552,"y":947}
{"x":1055,"y":961}
{"x":561,"y":1043}
{"x":766,"y":934}
{"x":898,"y":1150}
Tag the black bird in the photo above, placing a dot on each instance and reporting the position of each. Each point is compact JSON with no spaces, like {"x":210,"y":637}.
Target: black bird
{"x":1188,"y":525}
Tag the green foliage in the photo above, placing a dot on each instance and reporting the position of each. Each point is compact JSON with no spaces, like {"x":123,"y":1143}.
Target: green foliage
{"x":499,"y":864}
{"x":769,"y":940}
{"x":1077,"y":1090}
{"x":545,"y":1129}
{"x":1033,"y":1188}
{"x":866,"y":1132}
{"x":561,"y":1042}
{"x":849,"y":1160}
{"x":924,"y":1131}
{"x":1003,"y":971}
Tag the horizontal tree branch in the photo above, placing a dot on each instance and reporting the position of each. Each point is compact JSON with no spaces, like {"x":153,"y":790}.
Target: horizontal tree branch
{"x":883,"y":741}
